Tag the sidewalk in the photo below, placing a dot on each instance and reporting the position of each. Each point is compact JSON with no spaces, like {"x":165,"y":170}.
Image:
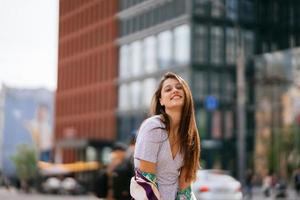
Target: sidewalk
{"x":258,"y":195}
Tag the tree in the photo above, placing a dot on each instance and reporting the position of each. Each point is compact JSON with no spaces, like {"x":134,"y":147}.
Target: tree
{"x":25,"y":161}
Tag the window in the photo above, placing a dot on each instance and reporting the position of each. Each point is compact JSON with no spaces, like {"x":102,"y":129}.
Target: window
{"x":247,"y":10}
{"x":201,"y":122}
{"x":217,"y":8}
{"x":231,"y":46}
{"x":150,"y":56}
{"x":149,"y":86}
{"x":248,"y":37}
{"x":228,"y":124}
{"x":216,"y":125}
{"x":228,"y":88}
{"x":215,"y":85}
{"x":216,"y":45}
{"x":200,"y":7}
{"x":124,"y":101}
{"x":123,"y":64}
{"x":136,"y":94}
{"x":136,"y":65}
{"x":165,"y":49}
{"x":201,"y":36}
{"x":200,"y":85}
{"x":232,"y":9}
{"x":182,"y":45}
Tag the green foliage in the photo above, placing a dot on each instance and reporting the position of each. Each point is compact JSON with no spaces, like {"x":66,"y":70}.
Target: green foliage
{"x":25,"y":161}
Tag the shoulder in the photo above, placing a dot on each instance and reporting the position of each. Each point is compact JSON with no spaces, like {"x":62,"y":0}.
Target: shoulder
{"x":154,"y":128}
{"x":153,"y":122}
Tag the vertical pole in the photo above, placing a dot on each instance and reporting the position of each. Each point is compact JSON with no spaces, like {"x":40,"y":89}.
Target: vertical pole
{"x":241,"y":99}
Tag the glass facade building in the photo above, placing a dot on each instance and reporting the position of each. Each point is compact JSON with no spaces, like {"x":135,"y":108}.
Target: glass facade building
{"x":198,"y":40}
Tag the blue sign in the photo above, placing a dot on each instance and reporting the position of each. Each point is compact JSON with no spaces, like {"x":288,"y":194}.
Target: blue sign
{"x":211,"y":102}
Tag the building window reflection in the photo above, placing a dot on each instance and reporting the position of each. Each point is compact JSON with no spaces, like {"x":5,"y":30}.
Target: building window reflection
{"x":165,"y":49}
{"x":136,"y":94}
{"x":182,"y":45}
{"x":228,"y":88}
{"x":149,"y":86}
{"x":201,"y":122}
{"x":136,"y":65}
{"x":150,"y":56}
{"x":201,"y":36}
{"x":216,"y":45}
{"x":231,"y":47}
{"x":215,"y":85}
{"x":200,"y":7}
{"x":124,"y":59}
{"x":228,"y":124}
{"x":124,"y":100}
{"x":216,"y":125}
{"x":217,"y":8}
{"x":232,"y":9}
{"x":200,"y":85}
{"x":248,"y":43}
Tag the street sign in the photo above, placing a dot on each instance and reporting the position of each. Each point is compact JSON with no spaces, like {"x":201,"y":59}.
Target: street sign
{"x":211,"y":103}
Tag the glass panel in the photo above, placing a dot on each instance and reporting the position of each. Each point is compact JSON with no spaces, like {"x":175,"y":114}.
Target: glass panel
{"x":216,"y":125}
{"x":182,"y":45}
{"x":228,"y":124}
{"x":165,"y":49}
{"x":123,"y":65}
{"x":150,"y":56}
{"x":124,"y":101}
{"x":231,"y":9}
{"x":216,"y":45}
{"x":248,"y":43}
{"x":201,"y":36}
{"x":200,"y":85}
{"x":136,"y":58}
{"x":201,"y":7}
{"x":136,"y":94}
{"x":228,"y":88}
{"x":231,"y":47}
{"x":149,"y":87}
{"x":217,"y":8}
{"x":201,"y":122}
{"x":215,"y":86}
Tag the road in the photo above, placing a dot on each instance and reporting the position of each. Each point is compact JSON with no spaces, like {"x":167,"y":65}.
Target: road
{"x":14,"y":195}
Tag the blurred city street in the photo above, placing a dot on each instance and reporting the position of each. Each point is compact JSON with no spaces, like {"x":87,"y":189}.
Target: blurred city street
{"x":14,"y":195}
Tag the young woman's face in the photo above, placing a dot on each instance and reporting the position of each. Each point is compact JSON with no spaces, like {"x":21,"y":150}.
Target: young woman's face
{"x":172,"y":94}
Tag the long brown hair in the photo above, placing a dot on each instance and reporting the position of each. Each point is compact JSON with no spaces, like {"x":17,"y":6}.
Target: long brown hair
{"x":188,"y":133}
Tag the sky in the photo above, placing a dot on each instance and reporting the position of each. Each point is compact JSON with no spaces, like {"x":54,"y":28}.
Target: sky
{"x":28,"y":43}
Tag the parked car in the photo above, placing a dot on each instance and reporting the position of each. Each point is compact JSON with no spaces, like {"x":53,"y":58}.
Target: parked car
{"x":216,"y":185}
{"x":51,"y":185}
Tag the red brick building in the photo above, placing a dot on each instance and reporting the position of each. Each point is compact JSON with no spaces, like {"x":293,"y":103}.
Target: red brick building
{"x":87,"y":71}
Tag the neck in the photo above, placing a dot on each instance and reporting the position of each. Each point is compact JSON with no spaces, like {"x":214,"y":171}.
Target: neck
{"x":175,"y":116}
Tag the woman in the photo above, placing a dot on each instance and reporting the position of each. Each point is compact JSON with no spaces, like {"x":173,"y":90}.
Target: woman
{"x":167,"y":149}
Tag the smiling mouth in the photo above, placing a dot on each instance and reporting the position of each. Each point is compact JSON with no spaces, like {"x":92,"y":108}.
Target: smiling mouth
{"x":176,"y":97}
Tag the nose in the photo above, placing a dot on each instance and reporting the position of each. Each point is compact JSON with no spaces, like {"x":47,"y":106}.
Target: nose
{"x":175,"y":90}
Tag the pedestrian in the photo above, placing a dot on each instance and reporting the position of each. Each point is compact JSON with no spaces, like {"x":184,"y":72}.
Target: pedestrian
{"x":104,"y":182}
{"x":122,"y":174}
{"x":297,"y":181}
{"x":267,"y":184}
{"x":167,"y":150}
{"x":249,"y":183}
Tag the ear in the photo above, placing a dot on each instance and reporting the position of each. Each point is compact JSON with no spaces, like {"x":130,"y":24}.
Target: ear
{"x":161,"y":103}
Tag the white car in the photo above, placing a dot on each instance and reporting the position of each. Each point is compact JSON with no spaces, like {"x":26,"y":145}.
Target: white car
{"x":216,"y":185}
